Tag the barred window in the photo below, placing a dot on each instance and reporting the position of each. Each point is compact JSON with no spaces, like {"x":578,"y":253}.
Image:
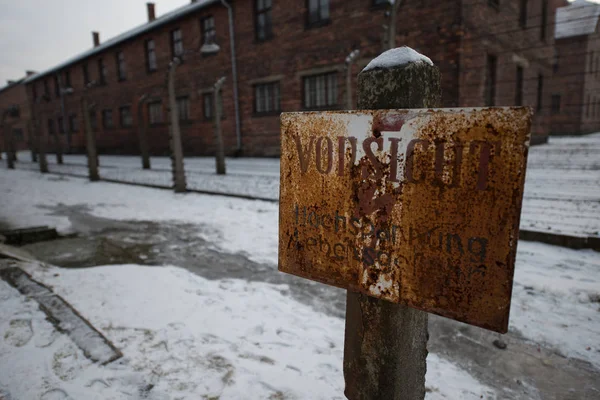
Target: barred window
{"x":102,"y":72}
{"x":86,"y":74}
{"x":209,"y":34}
{"x":208,"y":105}
{"x":125,"y":117}
{"x":490,"y":80}
{"x":320,"y":90}
{"x":267,"y":98}
{"x":176,"y":43}
{"x":523,"y":13}
{"x":121,"y":72}
{"x":150,"y":55}
{"x":264,"y":28}
{"x":73,"y":125}
{"x":68,"y":79}
{"x":155,"y":113}
{"x":183,"y":108}
{"x":107,"y":119}
{"x":318,"y":11}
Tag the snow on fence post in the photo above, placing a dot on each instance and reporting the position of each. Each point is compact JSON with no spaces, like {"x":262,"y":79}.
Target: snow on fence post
{"x":220,"y":151}
{"x":90,"y":141}
{"x":385,"y":348}
{"x":179,"y":182}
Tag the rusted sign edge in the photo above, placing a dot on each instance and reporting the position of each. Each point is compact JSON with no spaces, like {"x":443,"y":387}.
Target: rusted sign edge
{"x":517,"y":193}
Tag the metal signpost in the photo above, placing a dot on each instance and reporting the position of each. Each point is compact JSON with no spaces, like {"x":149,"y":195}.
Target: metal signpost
{"x":418,"y":207}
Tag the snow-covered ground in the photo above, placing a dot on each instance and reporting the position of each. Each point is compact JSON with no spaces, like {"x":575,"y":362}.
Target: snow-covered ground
{"x":184,"y":336}
{"x":561,"y":190}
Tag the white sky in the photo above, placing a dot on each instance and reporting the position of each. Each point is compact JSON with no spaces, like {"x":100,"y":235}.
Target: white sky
{"x":39,"y":34}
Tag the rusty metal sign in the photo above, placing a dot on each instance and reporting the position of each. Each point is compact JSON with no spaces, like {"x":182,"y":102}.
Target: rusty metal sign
{"x":418,"y":207}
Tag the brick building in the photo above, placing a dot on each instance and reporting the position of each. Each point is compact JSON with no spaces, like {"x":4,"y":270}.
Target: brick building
{"x":13,"y":98}
{"x":576,"y":98}
{"x":288,"y":56}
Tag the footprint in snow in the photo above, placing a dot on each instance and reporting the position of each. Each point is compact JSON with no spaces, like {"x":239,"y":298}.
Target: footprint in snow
{"x":55,"y":394}
{"x":19,"y":332}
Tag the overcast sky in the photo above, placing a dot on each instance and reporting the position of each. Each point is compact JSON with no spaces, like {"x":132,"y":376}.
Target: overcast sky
{"x":39,"y":34}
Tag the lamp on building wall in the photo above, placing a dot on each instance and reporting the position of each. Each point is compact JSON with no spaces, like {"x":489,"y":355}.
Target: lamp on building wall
{"x":349,"y":61}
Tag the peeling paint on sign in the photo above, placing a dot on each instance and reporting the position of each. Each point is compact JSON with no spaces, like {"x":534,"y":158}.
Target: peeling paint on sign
{"x":418,"y":207}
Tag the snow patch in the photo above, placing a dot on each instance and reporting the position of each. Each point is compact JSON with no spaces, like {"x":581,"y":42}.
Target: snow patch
{"x":396,"y":57}
{"x":183,"y":336}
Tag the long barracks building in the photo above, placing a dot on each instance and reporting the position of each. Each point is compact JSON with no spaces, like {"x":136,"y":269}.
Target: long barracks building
{"x":286,"y":56}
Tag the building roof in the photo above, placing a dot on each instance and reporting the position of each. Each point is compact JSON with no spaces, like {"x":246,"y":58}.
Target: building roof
{"x":130,"y":34}
{"x":13,"y":84}
{"x":578,"y":18}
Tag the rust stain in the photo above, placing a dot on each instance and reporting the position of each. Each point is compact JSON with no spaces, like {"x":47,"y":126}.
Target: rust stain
{"x":419,"y":207}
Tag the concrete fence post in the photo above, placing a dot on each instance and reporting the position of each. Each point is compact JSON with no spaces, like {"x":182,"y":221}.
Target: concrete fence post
{"x":9,"y":144}
{"x":90,"y":141}
{"x":33,"y":142}
{"x":385,"y":347}
{"x":220,"y":151}
{"x":41,"y":145}
{"x":143,"y":134}
{"x":58,"y":146}
{"x":179,"y":182}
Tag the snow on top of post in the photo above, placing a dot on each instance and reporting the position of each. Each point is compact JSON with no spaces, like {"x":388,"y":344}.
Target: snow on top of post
{"x":396,"y":57}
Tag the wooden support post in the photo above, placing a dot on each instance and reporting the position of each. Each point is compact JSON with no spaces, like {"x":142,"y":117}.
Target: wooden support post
{"x":220,"y":151}
{"x":179,"y":182}
{"x":142,"y":133}
{"x":385,"y":347}
{"x":90,"y":141}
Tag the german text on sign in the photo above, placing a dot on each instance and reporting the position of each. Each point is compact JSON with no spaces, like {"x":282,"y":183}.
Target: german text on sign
{"x":418,"y":207}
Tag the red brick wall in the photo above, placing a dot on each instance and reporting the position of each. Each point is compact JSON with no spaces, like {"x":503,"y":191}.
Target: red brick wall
{"x":569,"y":84}
{"x":591,"y":120}
{"x":455,"y":34}
{"x":296,"y":50}
{"x":497,"y":31}
{"x":9,"y":96}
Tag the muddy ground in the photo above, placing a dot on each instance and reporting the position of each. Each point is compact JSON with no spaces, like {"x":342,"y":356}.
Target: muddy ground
{"x":524,"y":370}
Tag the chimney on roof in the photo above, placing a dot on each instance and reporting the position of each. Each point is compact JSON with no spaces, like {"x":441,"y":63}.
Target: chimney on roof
{"x":193,"y":1}
{"x":96,"y":36}
{"x":151,"y":12}
{"x":29,"y":73}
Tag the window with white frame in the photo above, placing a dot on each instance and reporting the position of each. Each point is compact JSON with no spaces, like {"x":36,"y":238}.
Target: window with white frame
{"x":155,"y":113}
{"x":267,"y":98}
{"x":176,"y":43}
{"x":320,"y":91}
{"x":183,"y":108}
